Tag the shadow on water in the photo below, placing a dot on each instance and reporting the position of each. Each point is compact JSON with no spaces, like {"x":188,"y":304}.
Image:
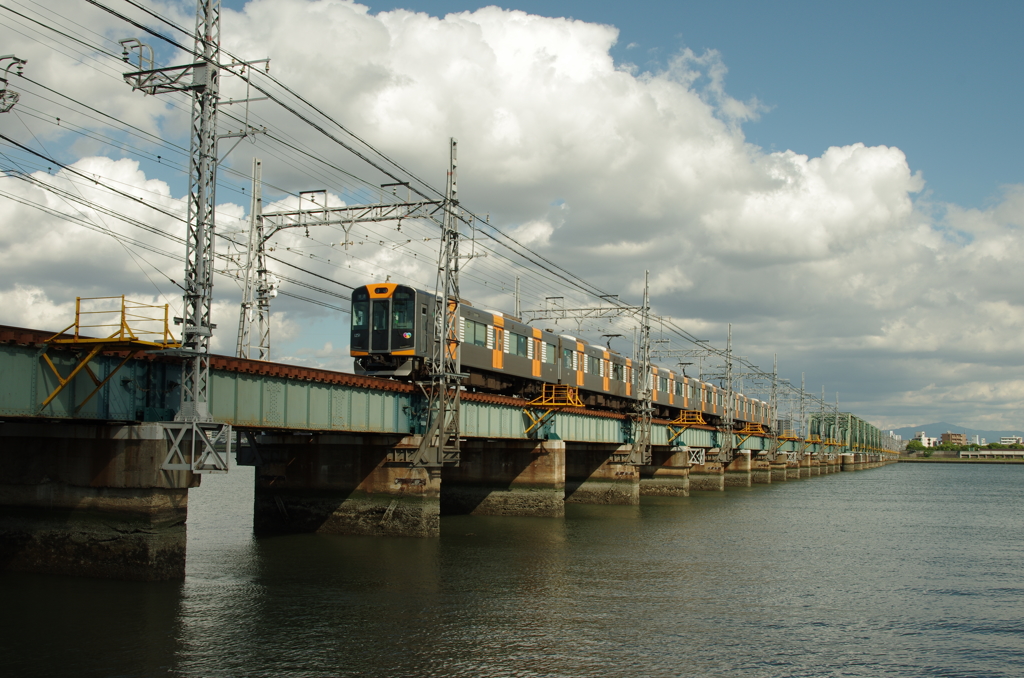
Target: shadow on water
{"x":60,"y":626}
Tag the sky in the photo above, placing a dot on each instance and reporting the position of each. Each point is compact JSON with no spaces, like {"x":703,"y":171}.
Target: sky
{"x":838,"y":182}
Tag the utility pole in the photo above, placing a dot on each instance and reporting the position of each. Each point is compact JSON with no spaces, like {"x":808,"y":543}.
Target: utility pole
{"x":258,"y":286}
{"x":725,"y":445}
{"x":773,"y":404}
{"x":641,"y":453}
{"x":519,"y":311}
{"x":440,"y":444}
{"x":193,"y":426}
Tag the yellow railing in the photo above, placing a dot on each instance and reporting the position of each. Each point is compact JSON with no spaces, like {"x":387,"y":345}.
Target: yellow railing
{"x":553,"y":397}
{"x":126,"y":320}
{"x":685,"y":420}
{"x":135,"y":327}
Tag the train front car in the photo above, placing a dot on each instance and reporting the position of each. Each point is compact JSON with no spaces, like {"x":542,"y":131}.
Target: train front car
{"x":389,"y":329}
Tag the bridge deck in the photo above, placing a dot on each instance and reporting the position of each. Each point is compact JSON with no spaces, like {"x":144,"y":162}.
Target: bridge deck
{"x":272,"y":396}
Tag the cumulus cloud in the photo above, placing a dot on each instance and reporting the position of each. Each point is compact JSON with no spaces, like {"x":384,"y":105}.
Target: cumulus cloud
{"x":839,"y":263}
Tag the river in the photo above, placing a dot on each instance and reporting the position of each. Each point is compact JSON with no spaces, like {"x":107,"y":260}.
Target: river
{"x":907,"y":570}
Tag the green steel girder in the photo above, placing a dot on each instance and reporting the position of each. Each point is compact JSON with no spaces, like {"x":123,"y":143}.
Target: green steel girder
{"x":147,"y":389}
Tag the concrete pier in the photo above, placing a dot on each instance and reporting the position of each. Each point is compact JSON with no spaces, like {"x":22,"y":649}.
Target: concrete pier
{"x":738,"y":472}
{"x":91,"y":500}
{"x":805,"y":466}
{"x":506,"y":478}
{"x":668,"y":475}
{"x":792,"y":469}
{"x":343,"y":484}
{"x":761,"y":471}
{"x":779,"y":474}
{"x":848,"y":462}
{"x":707,"y":477}
{"x":597,"y":474}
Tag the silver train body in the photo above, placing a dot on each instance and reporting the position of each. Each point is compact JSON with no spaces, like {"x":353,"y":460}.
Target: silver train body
{"x":392,"y":336}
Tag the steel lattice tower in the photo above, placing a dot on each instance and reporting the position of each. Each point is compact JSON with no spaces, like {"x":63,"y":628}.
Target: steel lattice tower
{"x":196,"y":327}
{"x":440,"y":444}
{"x":644,"y":405}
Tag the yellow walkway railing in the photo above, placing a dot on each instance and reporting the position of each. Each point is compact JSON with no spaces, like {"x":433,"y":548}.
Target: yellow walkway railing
{"x":554,"y":397}
{"x":135,"y":327}
{"x":685,"y":420}
{"x":748,"y":430}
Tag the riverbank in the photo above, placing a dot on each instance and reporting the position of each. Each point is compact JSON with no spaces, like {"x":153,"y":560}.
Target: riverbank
{"x":956,"y":460}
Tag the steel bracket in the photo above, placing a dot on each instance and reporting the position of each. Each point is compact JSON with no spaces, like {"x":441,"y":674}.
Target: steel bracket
{"x":194,"y":446}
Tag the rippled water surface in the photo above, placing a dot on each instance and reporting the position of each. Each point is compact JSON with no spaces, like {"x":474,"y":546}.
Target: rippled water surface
{"x":907,"y":570}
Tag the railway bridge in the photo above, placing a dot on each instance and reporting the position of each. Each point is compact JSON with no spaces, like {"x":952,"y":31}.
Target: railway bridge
{"x":88,"y":483}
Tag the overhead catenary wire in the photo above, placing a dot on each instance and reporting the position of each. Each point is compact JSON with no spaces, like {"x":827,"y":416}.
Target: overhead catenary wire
{"x":507,"y":254}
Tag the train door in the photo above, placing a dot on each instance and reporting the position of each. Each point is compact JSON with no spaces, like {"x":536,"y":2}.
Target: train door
{"x":426,"y":328}
{"x":379,"y":311}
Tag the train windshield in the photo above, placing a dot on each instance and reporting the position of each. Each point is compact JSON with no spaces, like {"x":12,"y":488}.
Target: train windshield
{"x":360,"y":320}
{"x":403,"y":318}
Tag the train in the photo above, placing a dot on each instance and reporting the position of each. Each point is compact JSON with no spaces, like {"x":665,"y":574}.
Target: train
{"x":392,"y":335}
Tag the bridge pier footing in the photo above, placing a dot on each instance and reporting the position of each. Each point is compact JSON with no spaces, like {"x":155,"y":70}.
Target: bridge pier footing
{"x":848,"y":462}
{"x":805,"y":466}
{"x":760,"y":471}
{"x":708,"y":477}
{"x":668,"y":475}
{"x":91,"y":500}
{"x":779,"y":471}
{"x":739,"y":471}
{"x":343,"y":484}
{"x":594,"y":476}
{"x":506,"y":478}
{"x":792,"y":469}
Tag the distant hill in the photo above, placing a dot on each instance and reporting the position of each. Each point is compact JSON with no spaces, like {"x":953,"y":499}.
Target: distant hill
{"x":937,"y":429}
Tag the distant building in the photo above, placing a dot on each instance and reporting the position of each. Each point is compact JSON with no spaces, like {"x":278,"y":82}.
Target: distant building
{"x":954,"y":438}
{"x":976,"y":440}
{"x":1011,"y":440}
{"x":922,"y":437}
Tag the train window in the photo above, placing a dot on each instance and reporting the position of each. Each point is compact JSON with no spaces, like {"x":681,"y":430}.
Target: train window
{"x":380,"y":315}
{"x":663,"y":384}
{"x":360,"y":309}
{"x":476,"y":333}
{"x":402,"y":307}
{"x":549,"y":353}
{"x":403,"y":317}
{"x":616,"y":372}
{"x":518,"y":344}
{"x":567,"y":358}
{"x":360,"y":321}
